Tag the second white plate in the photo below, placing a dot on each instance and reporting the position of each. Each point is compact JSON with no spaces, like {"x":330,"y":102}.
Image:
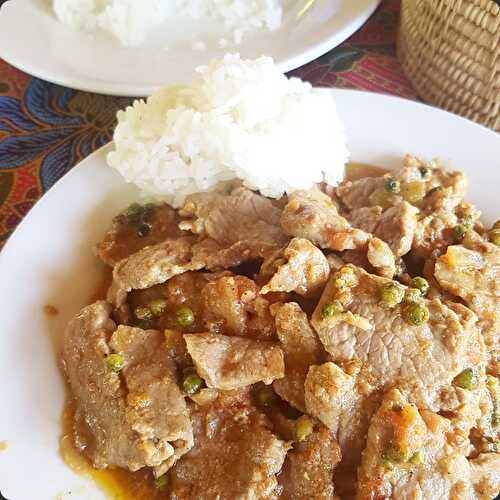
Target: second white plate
{"x":32,"y":40}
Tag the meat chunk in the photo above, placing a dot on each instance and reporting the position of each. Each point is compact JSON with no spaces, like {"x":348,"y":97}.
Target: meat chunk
{"x":233,"y":306}
{"x":156,"y":409}
{"x":412,"y":454}
{"x":301,"y":268}
{"x":421,"y":360}
{"x":313,"y":215}
{"x":329,"y":392}
{"x":379,"y":255}
{"x":473,"y":274}
{"x":369,"y":191}
{"x":237,"y":216}
{"x":136,"y":228}
{"x":142,"y":422}
{"x":151,"y":266}
{"x":393,"y":350}
{"x":308,"y":469}
{"x":232,"y":362}
{"x":395,"y":226}
{"x":235,"y":454}
{"x":301,"y":349}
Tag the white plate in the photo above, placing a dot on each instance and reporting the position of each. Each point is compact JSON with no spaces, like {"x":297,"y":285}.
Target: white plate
{"x":32,"y":40}
{"x":48,"y":260}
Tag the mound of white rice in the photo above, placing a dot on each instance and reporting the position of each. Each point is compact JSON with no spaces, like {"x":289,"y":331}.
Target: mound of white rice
{"x":130,"y":20}
{"x":239,"y":119}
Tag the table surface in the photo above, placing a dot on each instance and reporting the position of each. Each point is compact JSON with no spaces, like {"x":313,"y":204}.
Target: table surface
{"x":46,"y":129}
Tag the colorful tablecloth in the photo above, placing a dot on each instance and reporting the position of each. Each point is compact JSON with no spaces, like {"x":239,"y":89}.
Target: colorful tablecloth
{"x":46,"y":129}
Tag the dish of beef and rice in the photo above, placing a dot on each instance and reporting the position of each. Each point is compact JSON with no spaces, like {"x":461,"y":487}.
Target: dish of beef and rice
{"x":309,"y":336}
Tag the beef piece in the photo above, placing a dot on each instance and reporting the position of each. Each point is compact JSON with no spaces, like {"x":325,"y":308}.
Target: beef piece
{"x":125,"y":237}
{"x":412,"y":454}
{"x":232,"y":362}
{"x":395,"y":226}
{"x":313,"y":215}
{"x":363,"y":192}
{"x":151,"y":266}
{"x":435,"y":229}
{"x":233,"y":306}
{"x":301,"y":268}
{"x":235,"y":455}
{"x":141,"y":422}
{"x":421,"y":360}
{"x":237,"y":216}
{"x":473,"y":274}
{"x":301,"y":348}
{"x":308,"y":469}
{"x":156,"y":409}
{"x":381,"y":258}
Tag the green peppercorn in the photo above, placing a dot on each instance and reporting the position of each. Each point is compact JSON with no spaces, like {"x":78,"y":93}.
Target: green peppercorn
{"x":115,"y":362}
{"x":332,"y":309}
{"x":158,"y":306}
{"x":412,"y":295}
{"x":392,"y":185}
{"x":424,"y":171}
{"x":494,"y":235}
{"x":391,"y":293}
{"x":161,"y":482}
{"x":416,"y":314}
{"x":467,"y":379}
{"x":395,"y":454}
{"x":417,"y":458}
{"x":185,"y":316}
{"x":191,"y":382}
{"x":420,"y":284}
{"x":265,"y":397}
{"x":303,"y":427}
{"x":143,"y":313}
{"x":459,"y":231}
{"x":467,"y":221}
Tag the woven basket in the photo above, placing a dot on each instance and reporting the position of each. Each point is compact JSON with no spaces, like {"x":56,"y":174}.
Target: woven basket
{"x":450,"y":50}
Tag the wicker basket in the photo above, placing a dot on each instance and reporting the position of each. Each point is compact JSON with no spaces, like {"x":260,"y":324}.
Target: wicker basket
{"x":450,"y":50}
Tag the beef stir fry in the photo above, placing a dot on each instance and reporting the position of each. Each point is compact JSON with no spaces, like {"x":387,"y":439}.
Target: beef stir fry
{"x":340,"y":343}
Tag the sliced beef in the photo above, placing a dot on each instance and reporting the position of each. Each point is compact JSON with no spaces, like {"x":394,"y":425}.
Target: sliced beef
{"x":151,"y":266}
{"x":314,"y":216}
{"x":473,"y":274}
{"x":309,"y":466}
{"x":300,"y":267}
{"x":237,"y":216}
{"x":140,"y":422}
{"x":232,"y":362}
{"x":301,"y":348}
{"x":421,"y":360}
{"x":136,"y":228}
{"x":233,"y":306}
{"x":413,"y":454}
{"x":395,"y":226}
{"x":235,"y":454}
{"x":370,"y":191}
{"x":156,"y":409}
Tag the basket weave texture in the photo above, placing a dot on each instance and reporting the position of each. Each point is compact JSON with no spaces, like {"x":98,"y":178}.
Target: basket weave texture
{"x":450,"y":50}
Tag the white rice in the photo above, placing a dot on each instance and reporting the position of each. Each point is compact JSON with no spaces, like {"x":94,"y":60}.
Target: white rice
{"x":131,"y":20}
{"x":239,"y":119}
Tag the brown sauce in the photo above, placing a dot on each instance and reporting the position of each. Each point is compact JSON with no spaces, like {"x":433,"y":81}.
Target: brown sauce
{"x":355,"y":171}
{"x":116,"y":484}
{"x":50,"y":310}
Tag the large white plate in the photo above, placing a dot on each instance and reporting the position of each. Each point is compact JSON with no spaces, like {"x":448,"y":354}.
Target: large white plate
{"x":49,"y":259}
{"x":32,"y":40}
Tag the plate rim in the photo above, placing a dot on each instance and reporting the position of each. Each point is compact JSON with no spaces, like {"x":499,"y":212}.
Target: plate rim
{"x":119,"y":89}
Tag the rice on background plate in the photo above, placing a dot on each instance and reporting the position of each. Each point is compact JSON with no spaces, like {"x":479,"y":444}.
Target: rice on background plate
{"x":240,"y":119}
{"x":130,"y":20}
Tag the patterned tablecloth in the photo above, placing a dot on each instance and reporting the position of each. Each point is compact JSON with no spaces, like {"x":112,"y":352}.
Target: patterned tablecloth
{"x":46,"y":129}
